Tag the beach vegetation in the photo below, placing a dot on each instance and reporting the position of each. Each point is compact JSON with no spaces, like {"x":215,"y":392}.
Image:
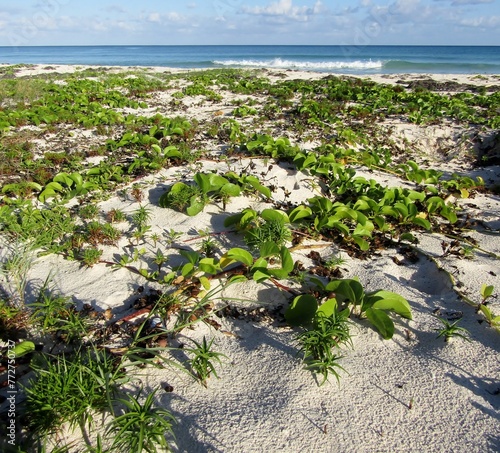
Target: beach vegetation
{"x":351,"y":296}
{"x":64,"y":388}
{"x":140,"y":426}
{"x":492,"y":319}
{"x":202,"y":359}
{"x":333,"y":130}
{"x":320,"y":343}
{"x":449,"y":330}
{"x":207,"y":187}
{"x":90,"y":256}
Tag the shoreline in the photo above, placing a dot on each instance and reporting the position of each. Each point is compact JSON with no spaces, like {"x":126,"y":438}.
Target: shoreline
{"x":47,"y":68}
{"x":411,"y":393}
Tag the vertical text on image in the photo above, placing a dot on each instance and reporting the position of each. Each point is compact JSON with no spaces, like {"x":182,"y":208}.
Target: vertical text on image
{"x":12,"y":393}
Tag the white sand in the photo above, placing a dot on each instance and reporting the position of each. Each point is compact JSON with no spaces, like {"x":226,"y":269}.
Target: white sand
{"x":414,"y":393}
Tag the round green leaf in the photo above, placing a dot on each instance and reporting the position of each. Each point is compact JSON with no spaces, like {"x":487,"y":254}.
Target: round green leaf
{"x":230,"y":189}
{"x":302,"y":310}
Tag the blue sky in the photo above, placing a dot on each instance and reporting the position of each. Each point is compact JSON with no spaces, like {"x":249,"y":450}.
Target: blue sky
{"x":329,"y":22}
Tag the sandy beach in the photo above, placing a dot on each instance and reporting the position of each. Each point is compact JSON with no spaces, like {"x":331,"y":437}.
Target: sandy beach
{"x":414,"y":392}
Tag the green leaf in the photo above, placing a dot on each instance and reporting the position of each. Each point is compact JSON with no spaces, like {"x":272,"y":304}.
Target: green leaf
{"x":205,"y":282}
{"x":487,"y":291}
{"x":486,"y":312}
{"x":230,"y":189}
{"x":209,"y":266}
{"x":77,"y":178}
{"x":449,"y":214}
{"x":240,"y":255}
{"x":233,"y":219}
{"x":286,"y":264}
{"x":254,"y":182}
{"x":302,"y":310}
{"x":171,"y":151}
{"x":407,"y":237}
{"x":47,"y":193}
{"x":63,"y":178}
{"x":217,"y":181}
{"x":434,"y":203}
{"x":300,"y":212}
{"x":387,"y":300}
{"x":187,"y":269}
{"x":260,"y":275}
{"x":464,"y":193}
{"x":328,"y":308}
{"x":381,"y":321}
{"x":344,"y":229}
{"x":23,"y":348}
{"x":192,"y":256}
{"x":361,"y":205}
{"x":203,"y":181}
{"x":273,"y":214}
{"x":196,"y":206}
{"x":424,"y":223}
{"x":361,"y":243}
{"x":54,"y":185}
{"x":269,"y":249}
{"x":349,"y":289}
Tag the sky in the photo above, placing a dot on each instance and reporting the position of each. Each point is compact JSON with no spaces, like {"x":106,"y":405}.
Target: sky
{"x":196,"y":22}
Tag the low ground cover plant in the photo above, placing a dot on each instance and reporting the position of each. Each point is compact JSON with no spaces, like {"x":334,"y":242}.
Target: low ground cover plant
{"x":49,"y":203}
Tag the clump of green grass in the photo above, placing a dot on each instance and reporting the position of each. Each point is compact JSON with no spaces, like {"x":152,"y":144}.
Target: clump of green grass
{"x":69,"y":388}
{"x":141,"y":427}
{"x":203,"y":356}
{"x":318,"y":343}
{"x":450,"y":330}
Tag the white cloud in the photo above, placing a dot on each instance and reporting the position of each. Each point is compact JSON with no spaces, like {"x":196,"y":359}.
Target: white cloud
{"x":482,"y":22}
{"x":174,"y":17}
{"x":284,"y":9}
{"x":154,"y":17}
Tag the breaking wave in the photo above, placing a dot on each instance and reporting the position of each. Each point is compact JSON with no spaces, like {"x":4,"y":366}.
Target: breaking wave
{"x":305,"y":65}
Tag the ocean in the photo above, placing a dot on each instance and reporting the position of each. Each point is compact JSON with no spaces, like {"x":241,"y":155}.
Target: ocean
{"x":341,"y":59}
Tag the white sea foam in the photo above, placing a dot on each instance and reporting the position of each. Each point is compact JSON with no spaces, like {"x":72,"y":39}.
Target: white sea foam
{"x":311,"y":65}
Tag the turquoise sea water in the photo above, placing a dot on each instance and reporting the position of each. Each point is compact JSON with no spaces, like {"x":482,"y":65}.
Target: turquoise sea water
{"x":342,"y":59}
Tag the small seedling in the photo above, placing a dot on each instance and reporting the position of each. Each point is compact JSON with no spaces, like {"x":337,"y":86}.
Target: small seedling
{"x":486,"y":293}
{"x":452,"y":329}
{"x":155,"y":237}
{"x":140,"y":233}
{"x":208,"y":246}
{"x":141,"y":216}
{"x":141,"y":427}
{"x":491,"y":318}
{"x":160,"y":259}
{"x":116,"y":216}
{"x":334,"y":262}
{"x":88,"y":211}
{"x":172,"y":236}
{"x":91,"y":256}
{"x":201,"y":363}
